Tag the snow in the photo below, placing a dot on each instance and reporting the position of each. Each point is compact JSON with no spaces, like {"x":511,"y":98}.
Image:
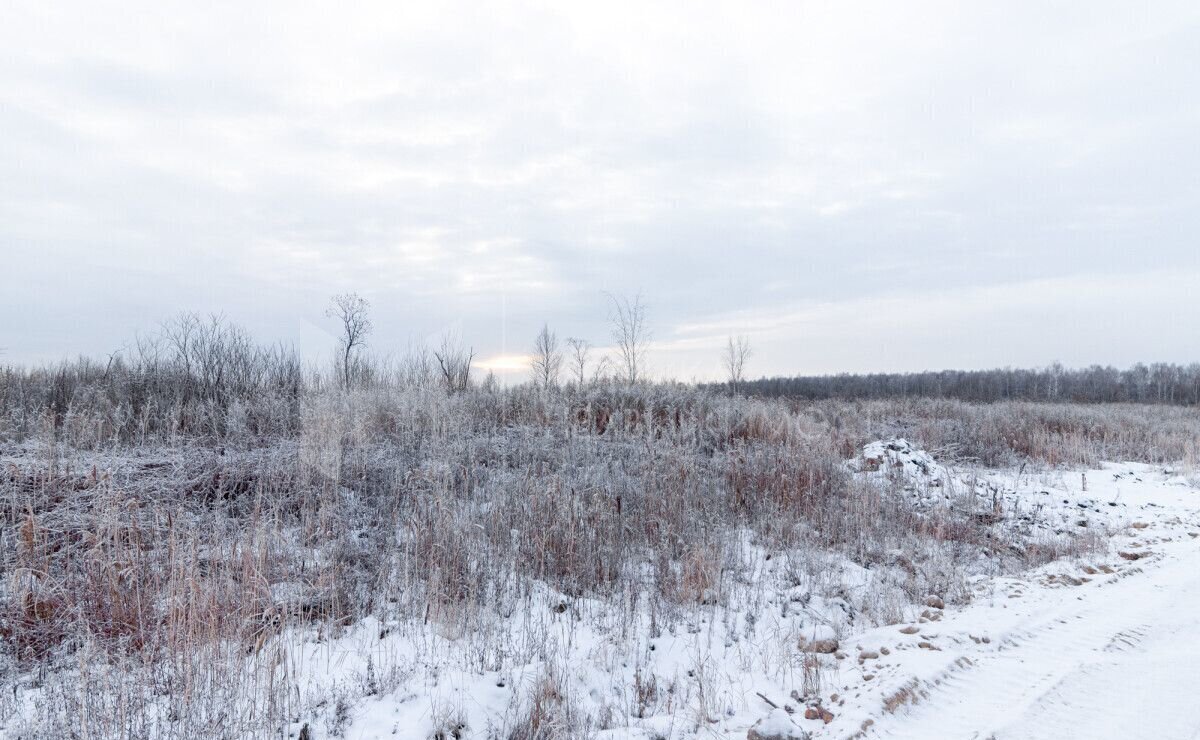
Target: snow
{"x":778,"y":725}
{"x":1096,"y":647}
{"x":1099,"y":646}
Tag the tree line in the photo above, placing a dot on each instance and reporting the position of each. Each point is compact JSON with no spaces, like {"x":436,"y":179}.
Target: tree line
{"x":1162,"y":383}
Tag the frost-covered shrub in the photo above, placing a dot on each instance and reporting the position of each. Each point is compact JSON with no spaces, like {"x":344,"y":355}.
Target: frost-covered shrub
{"x":178,"y":534}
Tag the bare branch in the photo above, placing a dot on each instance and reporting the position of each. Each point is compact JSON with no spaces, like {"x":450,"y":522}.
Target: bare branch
{"x":580,"y":350}
{"x":737,"y":351}
{"x":547,"y":359}
{"x":351,"y":311}
{"x":454,"y":362}
{"x":631,"y":335}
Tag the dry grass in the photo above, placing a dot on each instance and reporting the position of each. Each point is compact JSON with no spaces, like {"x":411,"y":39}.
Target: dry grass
{"x":154,"y":553}
{"x":1007,"y":433}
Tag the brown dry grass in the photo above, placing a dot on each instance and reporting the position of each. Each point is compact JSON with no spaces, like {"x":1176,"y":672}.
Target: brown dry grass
{"x":167,"y":557}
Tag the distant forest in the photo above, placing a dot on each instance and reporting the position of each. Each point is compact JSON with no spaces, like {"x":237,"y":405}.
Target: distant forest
{"x":1156,"y":383}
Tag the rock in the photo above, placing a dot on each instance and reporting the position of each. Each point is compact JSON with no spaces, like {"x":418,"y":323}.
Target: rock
{"x":910,"y":630}
{"x":935,"y":602}
{"x":776,"y":726}
{"x":826,"y":646}
{"x":826,"y":715}
{"x":867,"y":655}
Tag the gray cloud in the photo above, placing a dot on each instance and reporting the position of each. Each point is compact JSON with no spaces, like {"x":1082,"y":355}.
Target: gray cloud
{"x":493,"y":166}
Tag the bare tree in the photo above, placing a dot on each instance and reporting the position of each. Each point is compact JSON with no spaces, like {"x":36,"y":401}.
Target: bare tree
{"x":454,"y":361}
{"x":631,"y":335}
{"x":602,"y":369}
{"x":179,"y":333}
{"x":547,"y":359}
{"x":350,"y":310}
{"x":578,"y":359}
{"x":737,"y":351}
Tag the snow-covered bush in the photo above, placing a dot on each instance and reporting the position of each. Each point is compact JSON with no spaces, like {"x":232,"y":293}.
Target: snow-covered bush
{"x":169,"y":544}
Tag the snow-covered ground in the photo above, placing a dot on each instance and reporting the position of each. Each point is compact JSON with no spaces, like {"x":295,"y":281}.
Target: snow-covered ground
{"x":1101,"y":644}
{"x":1105,"y":647}
{"x":1092,"y":647}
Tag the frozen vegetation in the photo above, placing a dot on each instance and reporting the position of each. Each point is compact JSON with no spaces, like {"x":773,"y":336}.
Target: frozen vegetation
{"x":221,"y":543}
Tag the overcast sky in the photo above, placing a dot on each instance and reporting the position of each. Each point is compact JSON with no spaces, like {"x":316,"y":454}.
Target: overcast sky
{"x":856,"y":187}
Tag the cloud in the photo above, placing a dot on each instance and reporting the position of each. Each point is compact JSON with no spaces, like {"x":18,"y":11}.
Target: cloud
{"x":494,"y":165}
{"x":1074,"y":319}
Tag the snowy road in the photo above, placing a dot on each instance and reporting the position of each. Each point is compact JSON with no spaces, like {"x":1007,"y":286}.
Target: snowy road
{"x":1101,"y":646}
{"x":1117,"y":661}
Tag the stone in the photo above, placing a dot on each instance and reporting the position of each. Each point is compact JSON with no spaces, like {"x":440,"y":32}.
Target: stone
{"x":826,"y":646}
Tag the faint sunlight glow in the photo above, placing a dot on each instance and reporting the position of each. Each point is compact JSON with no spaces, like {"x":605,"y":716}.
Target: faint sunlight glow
{"x":505,"y":363}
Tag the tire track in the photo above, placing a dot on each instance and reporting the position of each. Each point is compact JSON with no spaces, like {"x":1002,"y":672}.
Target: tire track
{"x":1113,"y":662}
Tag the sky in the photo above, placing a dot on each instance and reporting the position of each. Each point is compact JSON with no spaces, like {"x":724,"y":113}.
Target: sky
{"x":852,"y":186}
